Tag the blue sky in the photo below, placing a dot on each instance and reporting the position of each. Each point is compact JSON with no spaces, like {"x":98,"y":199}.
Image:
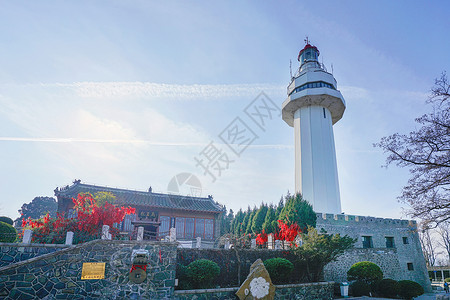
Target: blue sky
{"x":127,"y":93}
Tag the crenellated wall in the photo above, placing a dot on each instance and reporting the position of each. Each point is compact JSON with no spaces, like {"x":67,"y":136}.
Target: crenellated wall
{"x":394,"y":261}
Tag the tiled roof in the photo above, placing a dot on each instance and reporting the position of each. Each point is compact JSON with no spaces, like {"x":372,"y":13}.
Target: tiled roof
{"x":130,"y":197}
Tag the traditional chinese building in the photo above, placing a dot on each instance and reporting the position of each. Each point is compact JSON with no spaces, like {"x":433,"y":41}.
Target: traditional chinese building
{"x":191,"y":216}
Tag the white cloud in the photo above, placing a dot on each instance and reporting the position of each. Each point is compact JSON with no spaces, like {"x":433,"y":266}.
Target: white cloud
{"x":112,"y":90}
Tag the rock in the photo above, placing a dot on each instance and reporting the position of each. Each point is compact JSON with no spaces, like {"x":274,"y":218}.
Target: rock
{"x":258,"y":284}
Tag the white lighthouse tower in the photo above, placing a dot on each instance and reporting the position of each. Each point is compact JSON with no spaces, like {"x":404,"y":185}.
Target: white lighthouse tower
{"x":312,"y":107}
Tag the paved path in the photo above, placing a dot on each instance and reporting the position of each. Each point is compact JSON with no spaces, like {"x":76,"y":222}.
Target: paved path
{"x":422,"y":297}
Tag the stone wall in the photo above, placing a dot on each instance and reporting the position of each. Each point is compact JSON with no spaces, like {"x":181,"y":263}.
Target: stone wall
{"x":393,"y":261}
{"x":57,"y":275}
{"x":305,"y":291}
{"x":15,"y":252}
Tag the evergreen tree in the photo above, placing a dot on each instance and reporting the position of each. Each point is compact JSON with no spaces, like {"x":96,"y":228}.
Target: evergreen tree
{"x":298,"y":211}
{"x":259,"y":218}
{"x":224,"y":228}
{"x":245,"y":222}
{"x":237,"y":222}
{"x":270,"y":222}
{"x":250,"y":221}
{"x":280,"y":205}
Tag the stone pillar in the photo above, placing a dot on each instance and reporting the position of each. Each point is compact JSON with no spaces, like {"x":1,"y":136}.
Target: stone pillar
{"x":270,"y":241}
{"x":173,"y":234}
{"x":140,"y":234}
{"x":299,"y":240}
{"x":69,"y":238}
{"x":28,"y":233}
{"x":277,"y":244}
{"x":199,"y":242}
{"x":253,"y":245}
{"x":105,"y":233}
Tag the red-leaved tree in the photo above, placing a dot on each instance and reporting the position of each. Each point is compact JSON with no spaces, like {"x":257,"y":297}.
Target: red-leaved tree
{"x":86,"y":226}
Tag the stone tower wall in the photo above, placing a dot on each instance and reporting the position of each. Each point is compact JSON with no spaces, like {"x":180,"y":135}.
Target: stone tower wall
{"x":393,"y":261}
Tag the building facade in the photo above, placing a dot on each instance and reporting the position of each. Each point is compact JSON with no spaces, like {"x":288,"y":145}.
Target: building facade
{"x":313,"y":106}
{"x":191,"y":216}
{"x":392,"y":244}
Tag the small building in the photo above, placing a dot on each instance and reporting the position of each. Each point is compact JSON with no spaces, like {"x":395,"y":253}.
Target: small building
{"x":157,"y":212}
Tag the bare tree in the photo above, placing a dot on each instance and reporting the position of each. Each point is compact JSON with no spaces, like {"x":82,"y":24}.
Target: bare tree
{"x":444,"y":234}
{"x":426,"y":152}
{"x":428,"y":245}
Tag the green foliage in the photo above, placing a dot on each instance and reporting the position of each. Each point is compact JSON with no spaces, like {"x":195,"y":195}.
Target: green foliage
{"x":409,"y":289}
{"x":270,"y":222}
{"x":8,"y":233}
{"x":320,"y":249}
{"x":279,"y":269}
{"x":258,"y":219}
{"x":237,"y":222}
{"x":103,"y":197}
{"x":388,"y":288}
{"x":299,"y":211}
{"x":447,"y":279}
{"x":248,"y":228}
{"x":202,"y":272}
{"x":360,"y":288}
{"x":365,"y":271}
{"x":37,"y":208}
{"x":6,"y":220}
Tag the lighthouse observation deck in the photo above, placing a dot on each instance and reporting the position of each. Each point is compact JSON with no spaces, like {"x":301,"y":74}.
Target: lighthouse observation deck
{"x":312,"y":85}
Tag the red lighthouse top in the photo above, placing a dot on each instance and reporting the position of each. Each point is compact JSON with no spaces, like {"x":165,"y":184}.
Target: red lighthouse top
{"x":308,"y":46}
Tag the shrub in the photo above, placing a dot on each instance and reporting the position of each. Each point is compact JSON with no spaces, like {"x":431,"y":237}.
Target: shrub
{"x":388,"y":288}
{"x":7,"y":220}
{"x":279,"y":269}
{"x":202,"y":272}
{"x":360,"y":288}
{"x":446,"y":279}
{"x":409,"y":289}
{"x":365,"y":271}
{"x":8,"y":233}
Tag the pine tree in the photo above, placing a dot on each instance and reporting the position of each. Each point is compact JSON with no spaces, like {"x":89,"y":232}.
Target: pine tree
{"x":248,"y":229}
{"x":259,"y":218}
{"x":270,"y":222}
{"x":298,"y":211}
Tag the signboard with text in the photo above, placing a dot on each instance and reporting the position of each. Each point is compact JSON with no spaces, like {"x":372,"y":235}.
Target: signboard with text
{"x":93,"y":271}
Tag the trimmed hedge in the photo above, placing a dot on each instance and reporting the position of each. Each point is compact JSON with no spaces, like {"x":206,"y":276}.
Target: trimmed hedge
{"x":409,"y":289}
{"x":8,"y":233}
{"x":388,"y":288}
{"x":279,"y":269}
{"x":360,"y":288}
{"x":7,"y":220}
{"x":228,"y":262}
{"x":201,"y":273}
{"x":365,"y":271}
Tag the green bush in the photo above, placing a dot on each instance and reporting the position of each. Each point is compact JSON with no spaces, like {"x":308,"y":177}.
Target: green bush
{"x":360,"y":288}
{"x":365,"y":271}
{"x":279,"y":269}
{"x":388,"y":288}
{"x":409,"y":289}
{"x":446,"y":279}
{"x":202,"y":272}
{"x":7,"y":220}
{"x":8,"y":233}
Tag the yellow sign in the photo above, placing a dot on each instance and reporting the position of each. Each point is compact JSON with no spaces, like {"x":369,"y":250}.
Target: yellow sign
{"x":93,"y":271}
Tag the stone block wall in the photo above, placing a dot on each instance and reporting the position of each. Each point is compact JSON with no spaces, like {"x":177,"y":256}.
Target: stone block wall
{"x":15,"y":252}
{"x":57,"y":275}
{"x":395,"y":262}
{"x":305,"y":291}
